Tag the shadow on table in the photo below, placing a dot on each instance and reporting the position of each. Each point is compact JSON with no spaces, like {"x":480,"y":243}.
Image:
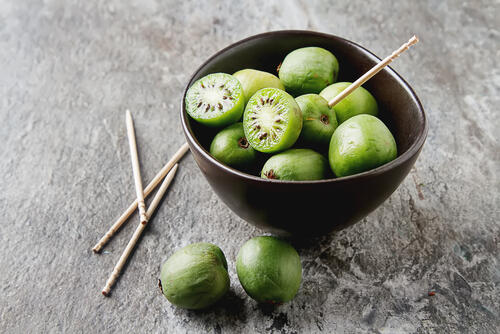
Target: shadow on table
{"x":231,"y":305}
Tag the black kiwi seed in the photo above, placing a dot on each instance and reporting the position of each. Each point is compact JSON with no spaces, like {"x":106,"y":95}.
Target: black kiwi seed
{"x":262,"y":101}
{"x":220,"y":105}
{"x":202,"y":85}
{"x":263,"y":135}
{"x":224,"y":97}
{"x":199,"y":104}
{"x":208,"y":107}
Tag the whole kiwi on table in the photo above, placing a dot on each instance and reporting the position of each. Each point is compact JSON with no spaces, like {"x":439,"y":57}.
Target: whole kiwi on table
{"x":287,"y":120}
{"x":196,"y":276}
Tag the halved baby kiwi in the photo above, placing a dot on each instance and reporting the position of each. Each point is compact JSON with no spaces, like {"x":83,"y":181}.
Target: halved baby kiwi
{"x":215,"y":100}
{"x":272,"y":120}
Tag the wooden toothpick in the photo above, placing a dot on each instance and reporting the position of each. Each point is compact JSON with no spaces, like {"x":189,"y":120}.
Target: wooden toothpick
{"x":150,"y":187}
{"x":131,"y":244}
{"x":135,"y":167}
{"x":374,"y":70}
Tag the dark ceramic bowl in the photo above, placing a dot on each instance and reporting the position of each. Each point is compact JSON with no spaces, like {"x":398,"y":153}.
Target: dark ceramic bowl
{"x":305,"y":208}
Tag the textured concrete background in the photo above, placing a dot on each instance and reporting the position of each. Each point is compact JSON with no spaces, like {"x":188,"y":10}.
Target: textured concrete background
{"x":68,"y":70}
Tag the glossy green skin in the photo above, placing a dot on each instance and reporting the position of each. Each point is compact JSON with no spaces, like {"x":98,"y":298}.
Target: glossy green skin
{"x":359,"y":144}
{"x":215,"y":117}
{"x":291,"y":123}
{"x":269,"y":270}
{"x":298,"y":164}
{"x":360,"y":101}
{"x":319,"y":121}
{"x":228,"y":147}
{"x":308,"y":70}
{"x":253,"y":80}
{"x":195,"y":276}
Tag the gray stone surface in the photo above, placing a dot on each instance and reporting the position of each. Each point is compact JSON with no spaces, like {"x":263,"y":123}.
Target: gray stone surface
{"x":68,"y":69}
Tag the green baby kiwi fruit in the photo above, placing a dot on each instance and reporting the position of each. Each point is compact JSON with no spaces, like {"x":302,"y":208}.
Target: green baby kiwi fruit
{"x":216,"y":100}
{"x":359,"y":144}
{"x":296,"y":165}
{"x":272,"y":120}
{"x":319,"y":121}
{"x":360,"y":101}
{"x":231,"y":147}
{"x":253,"y":80}
{"x":308,"y":70}
{"x":269,"y":270}
{"x":195,"y":276}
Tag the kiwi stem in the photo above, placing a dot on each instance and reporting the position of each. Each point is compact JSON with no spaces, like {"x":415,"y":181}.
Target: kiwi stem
{"x":243,"y":142}
{"x":270,"y":174}
{"x":374,"y":70}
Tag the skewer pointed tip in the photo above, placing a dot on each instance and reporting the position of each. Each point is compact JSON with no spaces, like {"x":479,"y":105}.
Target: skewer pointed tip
{"x":174,"y":169}
{"x":414,"y":40}
{"x":128,"y":116}
{"x":105,"y":294}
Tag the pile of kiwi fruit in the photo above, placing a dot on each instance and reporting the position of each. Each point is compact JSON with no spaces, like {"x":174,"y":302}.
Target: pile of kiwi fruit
{"x":282,"y":126}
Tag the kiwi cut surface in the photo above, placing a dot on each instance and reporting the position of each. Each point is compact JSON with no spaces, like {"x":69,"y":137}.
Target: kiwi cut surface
{"x":272,"y":120}
{"x":215,"y":100}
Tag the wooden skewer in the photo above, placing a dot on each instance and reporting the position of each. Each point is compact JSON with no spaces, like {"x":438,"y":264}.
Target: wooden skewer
{"x":150,"y":187}
{"x":135,"y":167}
{"x":374,"y":70}
{"x":131,"y":244}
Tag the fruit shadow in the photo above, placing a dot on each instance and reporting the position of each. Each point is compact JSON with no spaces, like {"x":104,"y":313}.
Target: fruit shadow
{"x":310,"y":244}
{"x":230,"y":312}
{"x":230,"y":307}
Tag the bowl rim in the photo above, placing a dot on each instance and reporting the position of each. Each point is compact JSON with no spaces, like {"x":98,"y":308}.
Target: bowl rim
{"x":400,"y":159}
